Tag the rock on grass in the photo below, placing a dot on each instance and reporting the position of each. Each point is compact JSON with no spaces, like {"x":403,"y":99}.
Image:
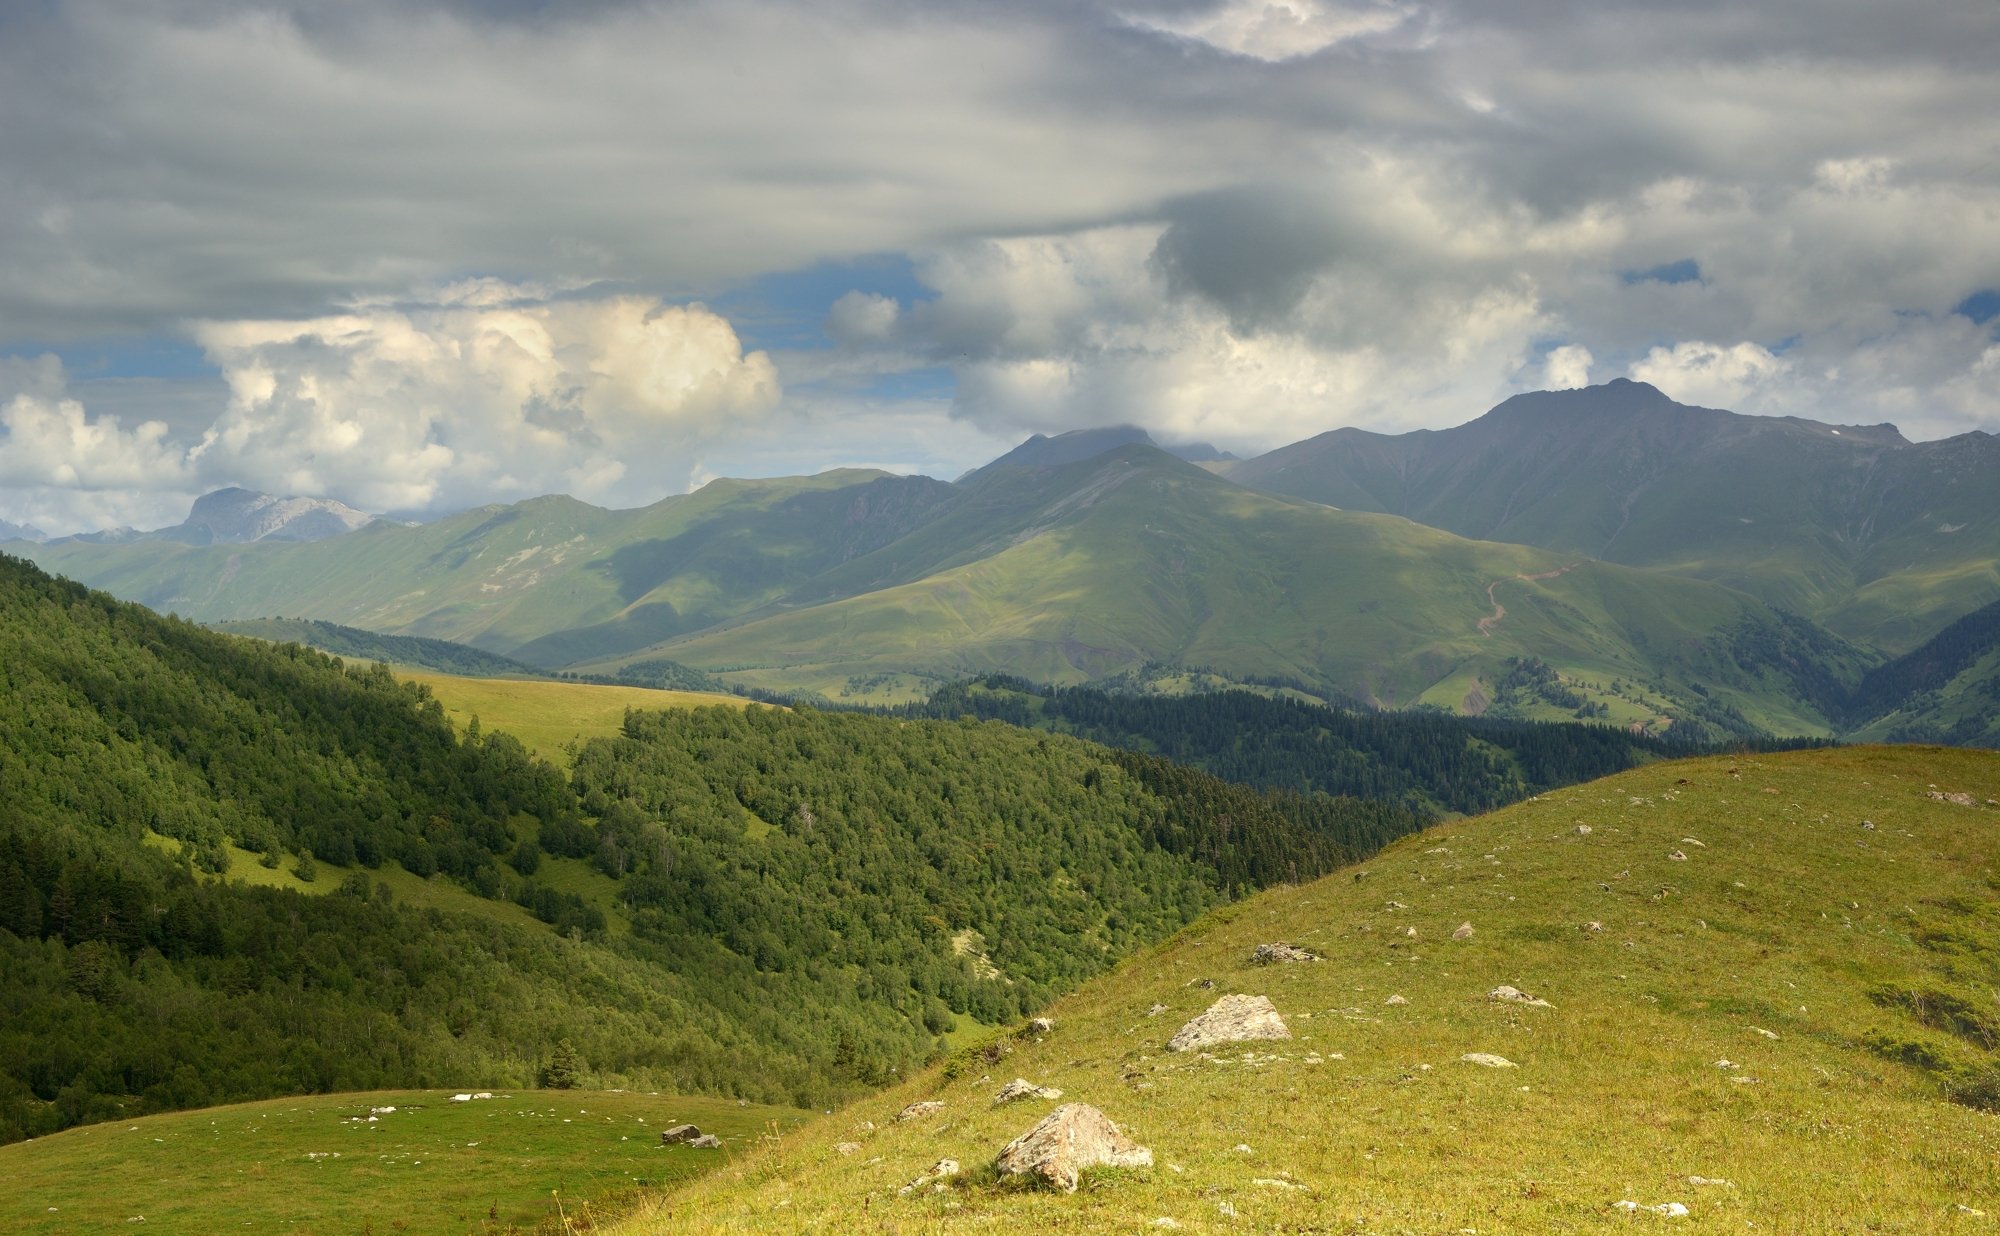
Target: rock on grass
{"x":1069,"y":1139}
{"x":1232,"y":1019}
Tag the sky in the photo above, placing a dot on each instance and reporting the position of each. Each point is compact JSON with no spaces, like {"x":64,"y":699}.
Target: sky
{"x":423,"y":255}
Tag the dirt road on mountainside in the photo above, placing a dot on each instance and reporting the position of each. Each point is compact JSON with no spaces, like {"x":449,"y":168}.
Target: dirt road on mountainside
{"x":1492,"y":620}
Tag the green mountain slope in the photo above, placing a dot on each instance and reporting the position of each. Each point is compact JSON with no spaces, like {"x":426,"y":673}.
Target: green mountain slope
{"x":1948,"y":690}
{"x":146,"y":762}
{"x":1880,"y":539}
{"x":442,"y":655}
{"x":548,"y":581}
{"x":1087,"y":569}
{"x":1768,"y":987}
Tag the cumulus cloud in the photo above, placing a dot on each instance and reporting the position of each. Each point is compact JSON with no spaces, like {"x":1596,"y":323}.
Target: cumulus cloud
{"x":65,"y":470}
{"x":1567,"y":367}
{"x":485,"y":393}
{"x":1712,"y":375}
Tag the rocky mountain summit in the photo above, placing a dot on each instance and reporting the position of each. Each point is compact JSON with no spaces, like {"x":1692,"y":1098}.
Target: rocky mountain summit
{"x":237,"y":516}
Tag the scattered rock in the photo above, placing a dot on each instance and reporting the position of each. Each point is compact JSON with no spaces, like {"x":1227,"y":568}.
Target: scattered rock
{"x":1156,"y":1010}
{"x":1397,"y":1000}
{"x":1410,"y":932}
{"x":1759,"y":1030}
{"x":1962,"y":800}
{"x":1269,"y":1182}
{"x":1205,"y":984}
{"x":1163,"y":1221}
{"x":847,"y":1147}
{"x":707,"y":1141}
{"x":916,"y":1111}
{"x":1232,"y":1019}
{"x":1041,"y":1025}
{"x":1593,"y":926}
{"x":1022,"y":1088}
{"x":1709,"y":1182}
{"x":1869,"y":825}
{"x":1667,"y":1209}
{"x":1672,"y":1210}
{"x":679,"y":1133}
{"x":1488,"y":1059}
{"x":942,"y":1170}
{"x":1069,"y":1139}
{"x":1957,"y":1208}
{"x":1514,"y":995}
{"x":1678,"y":857}
{"x":1242,"y":1148}
{"x":1583,"y":830}
{"x":1463,"y":932}
{"x":1279,"y":954}
{"x":1726,"y":1065}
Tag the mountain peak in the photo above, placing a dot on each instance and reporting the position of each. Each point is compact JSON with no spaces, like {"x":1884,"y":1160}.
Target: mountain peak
{"x":236,"y":516}
{"x":1043,"y":451}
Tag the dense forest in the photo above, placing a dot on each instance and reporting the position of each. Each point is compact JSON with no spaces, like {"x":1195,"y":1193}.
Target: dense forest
{"x":813,"y":900}
{"x":1426,"y":760}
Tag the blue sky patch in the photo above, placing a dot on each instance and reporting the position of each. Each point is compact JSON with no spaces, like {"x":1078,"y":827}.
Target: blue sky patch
{"x":1982,"y":307}
{"x":787,"y":309}
{"x":1687,"y":270}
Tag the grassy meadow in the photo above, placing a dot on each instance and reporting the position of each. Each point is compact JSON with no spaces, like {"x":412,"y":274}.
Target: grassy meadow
{"x":549,"y":716}
{"x":321,"y":1164}
{"x":1769,"y":976}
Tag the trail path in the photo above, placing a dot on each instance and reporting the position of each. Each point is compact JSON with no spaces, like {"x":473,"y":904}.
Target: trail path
{"x":1492,"y":620}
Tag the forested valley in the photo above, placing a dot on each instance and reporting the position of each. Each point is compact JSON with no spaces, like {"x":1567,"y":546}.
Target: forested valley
{"x":805,"y":904}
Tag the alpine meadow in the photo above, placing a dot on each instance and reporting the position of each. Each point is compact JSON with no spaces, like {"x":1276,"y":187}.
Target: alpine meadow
{"x":1131,"y":615}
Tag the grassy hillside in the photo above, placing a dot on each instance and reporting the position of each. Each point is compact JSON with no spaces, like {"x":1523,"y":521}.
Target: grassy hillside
{"x":424,"y":1163}
{"x":1147,"y":558}
{"x":1775,"y":974}
{"x":549,"y":581}
{"x":551,"y":717}
{"x":1882,"y":540}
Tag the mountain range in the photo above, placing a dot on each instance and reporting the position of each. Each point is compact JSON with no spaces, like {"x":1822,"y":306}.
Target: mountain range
{"x":1601,"y":553}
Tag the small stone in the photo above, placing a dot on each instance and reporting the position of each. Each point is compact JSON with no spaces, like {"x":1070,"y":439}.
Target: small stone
{"x":1232,"y":1019}
{"x":1163,"y":1221}
{"x":916,"y":1111}
{"x":1671,"y":1210}
{"x":1069,"y":1139}
{"x":1583,"y":830}
{"x":1709,"y":1182}
{"x":679,"y":1133}
{"x":1396,"y":1000}
{"x":1961,"y":800}
{"x":847,"y":1147}
{"x":1593,"y":926}
{"x":707,"y":1141}
{"x":1462,"y":932}
{"x":1869,"y":825}
{"x":1410,"y":932}
{"x":1273,"y":1183}
{"x":1678,"y":857}
{"x":1489,"y":1060}
{"x":1242,"y":1148}
{"x":1759,"y":1030}
{"x":1957,"y":1208}
{"x":1041,"y":1025}
{"x":1156,"y":1010}
{"x":1726,"y":1065}
{"x":1022,"y":1088}
{"x":1514,"y":995}
{"x":940,"y":1171}
{"x":1279,"y":954}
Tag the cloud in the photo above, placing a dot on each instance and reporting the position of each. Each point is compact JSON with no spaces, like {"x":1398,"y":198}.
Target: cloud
{"x":1282,"y":29}
{"x":1248,"y":220}
{"x":493,"y":391}
{"x":1567,"y":367}
{"x":1712,"y":375}
{"x":65,"y":470}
